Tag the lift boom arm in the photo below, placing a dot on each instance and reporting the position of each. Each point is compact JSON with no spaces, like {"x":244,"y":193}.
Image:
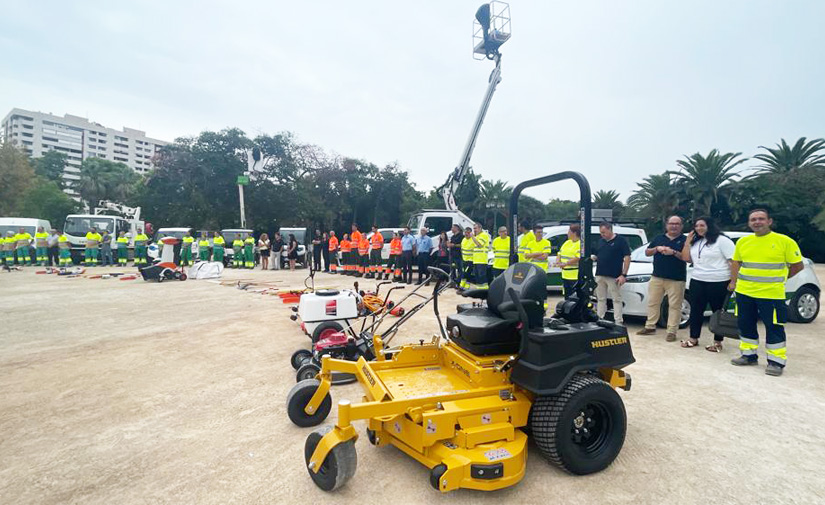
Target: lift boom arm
{"x":449,"y":189}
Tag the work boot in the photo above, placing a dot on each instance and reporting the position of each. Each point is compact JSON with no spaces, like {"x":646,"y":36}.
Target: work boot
{"x":773,"y":369}
{"x":646,"y":331}
{"x":744,"y":361}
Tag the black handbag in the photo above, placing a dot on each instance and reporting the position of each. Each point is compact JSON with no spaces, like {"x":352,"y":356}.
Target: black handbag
{"x":723,"y":322}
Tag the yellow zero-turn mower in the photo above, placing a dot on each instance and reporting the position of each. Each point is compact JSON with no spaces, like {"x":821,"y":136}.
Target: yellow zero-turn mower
{"x":464,"y":403}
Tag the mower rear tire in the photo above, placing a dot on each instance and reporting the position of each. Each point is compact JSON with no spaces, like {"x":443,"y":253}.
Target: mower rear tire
{"x":339,"y":465}
{"x":582,"y":429}
{"x":300,"y":358}
{"x":323,"y":329}
{"x":307,"y":371}
{"x":297,"y":400}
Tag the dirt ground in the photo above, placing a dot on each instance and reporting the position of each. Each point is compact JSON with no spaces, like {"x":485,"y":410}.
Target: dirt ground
{"x":135,"y":392}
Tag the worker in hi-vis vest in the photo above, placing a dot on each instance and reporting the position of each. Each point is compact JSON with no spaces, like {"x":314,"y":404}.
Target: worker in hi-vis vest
{"x":122,"y":244}
{"x":568,"y":259}
{"x":41,"y":247}
{"x":481,"y":242}
{"x":761,"y":265}
{"x":501,"y":252}
{"x":218,"y":247}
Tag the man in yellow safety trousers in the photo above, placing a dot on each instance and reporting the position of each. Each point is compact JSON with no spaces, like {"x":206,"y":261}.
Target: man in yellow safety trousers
{"x":762,"y":262}
{"x":568,"y":259}
{"x":501,"y":252}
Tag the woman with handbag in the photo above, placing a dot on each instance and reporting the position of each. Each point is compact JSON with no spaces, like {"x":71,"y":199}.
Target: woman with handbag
{"x":710,"y":252}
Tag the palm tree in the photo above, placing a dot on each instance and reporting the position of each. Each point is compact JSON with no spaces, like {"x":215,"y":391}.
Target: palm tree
{"x":93,"y":182}
{"x":493,"y":197}
{"x":704,"y":176}
{"x":784,"y":158}
{"x":656,"y":197}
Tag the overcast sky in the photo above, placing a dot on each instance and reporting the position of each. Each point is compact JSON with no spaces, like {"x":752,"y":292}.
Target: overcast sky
{"x":615,"y":89}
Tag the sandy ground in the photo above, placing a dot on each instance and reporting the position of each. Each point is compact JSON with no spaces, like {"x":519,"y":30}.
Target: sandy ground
{"x":134,"y":392}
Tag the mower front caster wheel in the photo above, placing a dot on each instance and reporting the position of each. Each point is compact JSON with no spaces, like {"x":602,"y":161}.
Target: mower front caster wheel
{"x":307,"y":371}
{"x":339,"y":465}
{"x":582,"y":429}
{"x":435,"y":475}
{"x":300,"y":358}
{"x":299,"y":397}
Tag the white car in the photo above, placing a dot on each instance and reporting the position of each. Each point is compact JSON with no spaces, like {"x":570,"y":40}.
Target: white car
{"x":801,"y":291}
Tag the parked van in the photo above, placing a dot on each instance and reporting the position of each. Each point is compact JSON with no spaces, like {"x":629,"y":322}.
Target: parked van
{"x":557,"y":235}
{"x":14,"y":224}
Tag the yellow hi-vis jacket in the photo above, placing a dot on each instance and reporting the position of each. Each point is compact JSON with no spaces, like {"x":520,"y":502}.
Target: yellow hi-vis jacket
{"x":569,"y":251}
{"x":540,"y":246}
{"x":524,"y":244}
{"x":764,"y":264}
{"x":480,"y":251}
{"x":467,"y":249}
{"x":501,"y":253}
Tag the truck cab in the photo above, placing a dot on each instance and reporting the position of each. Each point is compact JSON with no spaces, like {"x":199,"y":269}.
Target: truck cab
{"x":438,"y":220}
{"x":77,"y":225}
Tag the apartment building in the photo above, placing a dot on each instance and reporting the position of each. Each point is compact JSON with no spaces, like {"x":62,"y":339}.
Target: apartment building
{"x":77,"y":137}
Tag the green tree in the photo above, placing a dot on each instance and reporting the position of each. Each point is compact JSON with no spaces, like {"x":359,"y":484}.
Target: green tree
{"x":608,"y":200}
{"x":656,"y":197}
{"x":557,"y":209}
{"x":703,"y":177}
{"x":106,"y":180}
{"x":16,"y":177}
{"x":783,"y":159}
{"x":45,"y":200}
{"x":494,"y":197}
{"x":51,"y":165}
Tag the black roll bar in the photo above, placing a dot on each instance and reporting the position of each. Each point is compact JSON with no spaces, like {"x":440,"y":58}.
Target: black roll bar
{"x":585,"y":219}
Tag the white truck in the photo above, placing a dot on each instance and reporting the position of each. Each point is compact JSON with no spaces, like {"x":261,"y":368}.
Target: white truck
{"x":105,"y":217}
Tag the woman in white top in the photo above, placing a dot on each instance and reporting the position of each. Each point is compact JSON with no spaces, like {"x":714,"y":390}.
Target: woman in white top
{"x":711,"y":253}
{"x":263,"y":249}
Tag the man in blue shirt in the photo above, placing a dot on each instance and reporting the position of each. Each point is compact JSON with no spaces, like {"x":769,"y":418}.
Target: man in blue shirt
{"x":423,"y":247}
{"x":407,"y":246}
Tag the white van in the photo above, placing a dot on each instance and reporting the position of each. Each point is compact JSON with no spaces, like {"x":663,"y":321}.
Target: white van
{"x":557,"y":235}
{"x":14,"y":224}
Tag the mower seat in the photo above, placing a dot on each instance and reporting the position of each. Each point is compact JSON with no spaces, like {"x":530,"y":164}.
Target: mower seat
{"x":486,"y":331}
